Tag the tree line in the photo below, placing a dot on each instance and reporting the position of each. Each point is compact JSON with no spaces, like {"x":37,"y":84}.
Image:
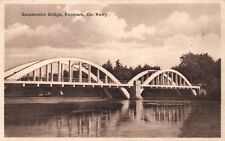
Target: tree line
{"x":123,"y":72}
{"x":199,"y":69}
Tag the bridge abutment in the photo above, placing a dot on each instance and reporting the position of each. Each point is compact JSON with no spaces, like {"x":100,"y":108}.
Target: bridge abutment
{"x":136,"y":90}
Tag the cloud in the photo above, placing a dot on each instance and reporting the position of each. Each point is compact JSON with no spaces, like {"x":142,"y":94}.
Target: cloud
{"x":112,"y":37}
{"x":179,"y":22}
{"x":16,"y":30}
{"x":22,"y":35}
{"x":79,"y":34}
{"x":133,"y":58}
{"x":140,"y":31}
{"x":113,"y":27}
{"x":130,"y":54}
{"x":85,"y":31}
{"x":209,"y":43}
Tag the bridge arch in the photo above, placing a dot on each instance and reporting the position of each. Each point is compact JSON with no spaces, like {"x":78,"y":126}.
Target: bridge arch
{"x":165,"y":74}
{"x":140,"y":75}
{"x":18,"y":72}
{"x":169,"y":77}
{"x":15,"y":69}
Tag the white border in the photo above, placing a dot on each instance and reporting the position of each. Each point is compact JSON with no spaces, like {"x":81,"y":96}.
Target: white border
{"x":3,"y":2}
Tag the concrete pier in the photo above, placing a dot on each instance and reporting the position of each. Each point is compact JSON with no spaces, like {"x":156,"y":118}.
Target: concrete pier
{"x":136,"y":90}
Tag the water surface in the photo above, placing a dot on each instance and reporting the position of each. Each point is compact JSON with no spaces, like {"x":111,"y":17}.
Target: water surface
{"x":95,"y":117}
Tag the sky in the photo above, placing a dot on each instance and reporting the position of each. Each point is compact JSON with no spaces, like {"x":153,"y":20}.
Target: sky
{"x":153,"y":34}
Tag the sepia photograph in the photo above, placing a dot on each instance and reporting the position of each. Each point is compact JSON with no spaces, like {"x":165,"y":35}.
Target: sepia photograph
{"x":112,"y":70}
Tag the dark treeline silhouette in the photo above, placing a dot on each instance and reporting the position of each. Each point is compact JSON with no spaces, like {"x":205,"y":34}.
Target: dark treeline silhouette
{"x":202,"y":70}
{"x":199,"y":69}
{"x":122,"y":72}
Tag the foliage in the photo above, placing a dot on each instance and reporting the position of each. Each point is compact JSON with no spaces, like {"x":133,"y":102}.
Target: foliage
{"x":126,"y":73}
{"x":203,"y":70}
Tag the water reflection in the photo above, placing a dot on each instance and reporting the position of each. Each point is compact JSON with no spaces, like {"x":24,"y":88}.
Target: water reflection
{"x":123,"y":118}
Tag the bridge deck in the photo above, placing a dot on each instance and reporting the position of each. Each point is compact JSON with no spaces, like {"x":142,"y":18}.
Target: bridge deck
{"x":84,"y":84}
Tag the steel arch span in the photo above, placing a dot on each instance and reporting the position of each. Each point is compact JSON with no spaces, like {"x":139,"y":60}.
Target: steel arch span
{"x":52,"y":70}
{"x":167,"y":78}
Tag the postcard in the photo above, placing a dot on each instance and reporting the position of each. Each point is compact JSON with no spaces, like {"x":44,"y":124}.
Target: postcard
{"x":112,"y":70}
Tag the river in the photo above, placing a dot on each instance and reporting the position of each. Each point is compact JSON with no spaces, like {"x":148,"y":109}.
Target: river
{"x":96,"y":117}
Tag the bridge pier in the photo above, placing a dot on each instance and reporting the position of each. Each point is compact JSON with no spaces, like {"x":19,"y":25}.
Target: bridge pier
{"x":136,"y":90}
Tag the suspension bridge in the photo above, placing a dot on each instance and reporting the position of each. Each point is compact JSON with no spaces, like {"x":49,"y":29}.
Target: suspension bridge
{"x":75,"y":72}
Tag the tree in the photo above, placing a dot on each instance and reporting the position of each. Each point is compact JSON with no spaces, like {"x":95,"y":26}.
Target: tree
{"x":108,"y":66}
{"x":201,"y":69}
{"x":119,"y":71}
